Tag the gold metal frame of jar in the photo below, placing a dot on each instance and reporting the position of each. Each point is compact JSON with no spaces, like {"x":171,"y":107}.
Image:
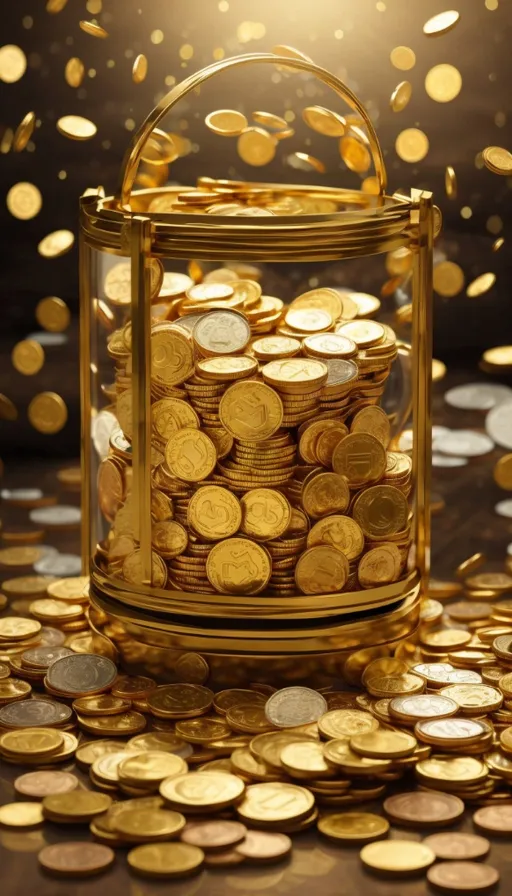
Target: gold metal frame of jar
{"x":367,"y":225}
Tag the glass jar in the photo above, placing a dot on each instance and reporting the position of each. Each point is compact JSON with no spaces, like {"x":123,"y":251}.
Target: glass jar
{"x":247,"y":512}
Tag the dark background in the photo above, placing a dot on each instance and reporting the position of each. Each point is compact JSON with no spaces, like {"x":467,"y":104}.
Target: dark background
{"x":458,"y":131}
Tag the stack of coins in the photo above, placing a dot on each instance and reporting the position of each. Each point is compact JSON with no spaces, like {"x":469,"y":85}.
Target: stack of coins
{"x":270,"y":466}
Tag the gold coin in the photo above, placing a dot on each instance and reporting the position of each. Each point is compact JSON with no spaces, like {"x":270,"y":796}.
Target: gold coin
{"x":214,"y":512}
{"x":179,"y":701}
{"x":448,"y":279}
{"x":87,"y":753}
{"x":353,"y":827}
{"x":76,"y":127}
{"x":480,"y":285}
{"x":400,"y":96}
{"x":17,"y":628}
{"x":403,"y":58}
{"x":339,"y":754}
{"x":457,"y":769}
{"x":381,"y":510}
{"x":190,"y":455}
{"x":321,"y":569}
{"x":309,"y":320}
{"x":228,"y":368}
{"x":169,"y":538}
{"x":498,"y":160}
{"x":360,"y":457}
{"x":117,"y":283}
{"x":139,"y":69}
{"x":324,"y":121}
{"x":355,"y":153}
{"x":450,"y":182}
{"x":441,"y":23}
{"x":227,"y":122}
{"x":53,"y":314}
{"x":24,"y":201}
{"x":266,"y":514}
{"x":269,"y":120}
{"x":118,"y":725}
{"x":343,"y":723}
{"x":31,"y":741}
{"x":21,"y":815}
{"x":74,"y":71}
{"x":305,"y":759}
{"x":151,"y":767}
{"x":200,"y":791}
{"x":165,"y":860}
{"x":325,"y":493}
{"x":78,"y":806}
{"x":443,"y":83}
{"x":274,"y":803}
{"x":140,"y":825}
{"x":379,"y":566}
{"x":93,"y":29}
{"x":341,"y":532}
{"x":398,"y":858}
{"x":322,"y":298}
{"x":503,"y":472}
{"x":384,"y":744}
{"x":172,"y":414}
{"x":238,"y":566}
{"x":47,"y":413}
{"x":474,"y":699}
{"x":412,"y":145}
{"x":372,"y":420}
{"x":438,"y":370}
{"x":305,"y":162}
{"x":202,"y":730}
{"x":56,"y":243}
{"x":13,"y":63}
{"x":295,"y":374}
{"x":19,"y":556}
{"x":256,"y":147}
{"x":251,"y":411}
{"x":132,"y":569}
{"x":100,"y":705}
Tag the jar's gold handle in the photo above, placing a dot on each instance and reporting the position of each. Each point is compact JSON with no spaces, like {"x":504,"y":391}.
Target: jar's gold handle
{"x":136,"y":146}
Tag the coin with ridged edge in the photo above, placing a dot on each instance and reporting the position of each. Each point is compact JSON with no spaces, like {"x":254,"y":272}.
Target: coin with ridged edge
{"x":82,"y":674}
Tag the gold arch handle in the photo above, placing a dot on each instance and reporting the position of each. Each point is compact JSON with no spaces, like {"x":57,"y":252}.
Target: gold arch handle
{"x":134,"y":151}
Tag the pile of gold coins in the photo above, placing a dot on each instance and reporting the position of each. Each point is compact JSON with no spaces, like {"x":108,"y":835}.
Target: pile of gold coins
{"x":270,"y":466}
{"x":186,"y":778}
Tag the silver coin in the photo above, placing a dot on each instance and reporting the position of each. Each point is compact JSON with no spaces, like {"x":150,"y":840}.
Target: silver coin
{"x":82,"y":673}
{"x":47,"y":550}
{"x":187,"y":323}
{"x":102,"y":427}
{"x":21,"y":494}
{"x":51,"y":637}
{"x":463,"y":676}
{"x":48,"y":340}
{"x":433,"y":671}
{"x":406,"y":439}
{"x":504,"y":508}
{"x":36,"y":713}
{"x":59,"y":565}
{"x":498,"y":424}
{"x":464,"y":443}
{"x":444,"y":460}
{"x":57,"y":515}
{"x":477,"y":396}
{"x":290,"y":707}
{"x":423,"y":706}
{"x":45,"y":656}
{"x":452,"y":729}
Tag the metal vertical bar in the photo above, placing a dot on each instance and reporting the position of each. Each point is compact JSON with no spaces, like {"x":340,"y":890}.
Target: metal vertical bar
{"x":140,"y":250}
{"x":423,"y":222}
{"x":84,"y":272}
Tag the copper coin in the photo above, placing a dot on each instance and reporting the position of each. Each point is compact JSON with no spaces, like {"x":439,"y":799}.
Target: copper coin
{"x":213,"y":834}
{"x":463,"y":877}
{"x":495,"y":820}
{"x":263,"y":846}
{"x":424,"y":809}
{"x":455,"y":845}
{"x":43,"y":783}
{"x":76,"y":859}
{"x":224,"y":859}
